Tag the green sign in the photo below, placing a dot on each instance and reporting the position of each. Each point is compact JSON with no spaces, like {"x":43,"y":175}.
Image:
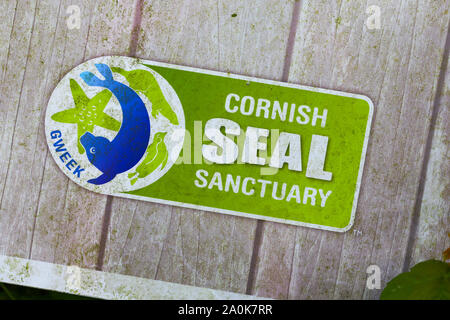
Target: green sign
{"x":211,"y":141}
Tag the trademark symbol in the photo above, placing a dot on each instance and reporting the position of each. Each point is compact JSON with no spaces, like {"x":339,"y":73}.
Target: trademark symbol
{"x":357,"y":232}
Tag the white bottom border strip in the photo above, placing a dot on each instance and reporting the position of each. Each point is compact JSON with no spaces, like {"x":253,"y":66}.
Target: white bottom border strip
{"x":103,"y":285}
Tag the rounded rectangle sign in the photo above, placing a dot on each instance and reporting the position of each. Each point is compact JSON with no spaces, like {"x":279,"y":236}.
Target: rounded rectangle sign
{"x":212,"y":141}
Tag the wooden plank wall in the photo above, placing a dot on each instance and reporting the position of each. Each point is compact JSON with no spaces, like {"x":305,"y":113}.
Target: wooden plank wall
{"x":403,"y":210}
{"x":334,"y":50}
{"x":429,"y":240}
{"x":182,"y":245}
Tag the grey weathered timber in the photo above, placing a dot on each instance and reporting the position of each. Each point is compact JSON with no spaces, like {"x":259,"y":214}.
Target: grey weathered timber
{"x":182,"y":245}
{"x":397,"y":66}
{"x":403,"y":210}
{"x":7,"y":14}
{"x":43,"y":216}
{"x":22,"y":149}
{"x":432,"y":236}
{"x":68,"y":230}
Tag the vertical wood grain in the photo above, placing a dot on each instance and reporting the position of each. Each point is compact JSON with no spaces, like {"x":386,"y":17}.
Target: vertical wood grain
{"x":182,"y":245}
{"x":7,"y":15}
{"x":43,"y":216}
{"x":21,"y":155}
{"x":433,"y":230}
{"x":69,"y":218}
{"x":397,"y":66}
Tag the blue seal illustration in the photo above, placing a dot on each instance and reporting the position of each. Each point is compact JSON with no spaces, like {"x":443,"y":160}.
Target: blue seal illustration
{"x":130,"y":144}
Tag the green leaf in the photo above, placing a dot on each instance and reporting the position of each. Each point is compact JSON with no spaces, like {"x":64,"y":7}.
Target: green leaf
{"x":428,"y":280}
{"x":5,"y":294}
{"x":15,"y":292}
{"x":446,"y":254}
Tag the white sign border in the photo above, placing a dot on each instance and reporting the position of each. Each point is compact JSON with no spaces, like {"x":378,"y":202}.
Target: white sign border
{"x":271,"y":82}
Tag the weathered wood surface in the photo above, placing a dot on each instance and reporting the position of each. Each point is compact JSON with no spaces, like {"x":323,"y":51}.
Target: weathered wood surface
{"x":45,"y":217}
{"x":397,"y":66}
{"x":182,"y":245}
{"x":69,"y":231}
{"x":100,"y":284}
{"x":433,"y":225}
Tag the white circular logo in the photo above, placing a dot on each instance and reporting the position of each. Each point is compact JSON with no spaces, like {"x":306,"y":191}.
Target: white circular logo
{"x":114,"y":125}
